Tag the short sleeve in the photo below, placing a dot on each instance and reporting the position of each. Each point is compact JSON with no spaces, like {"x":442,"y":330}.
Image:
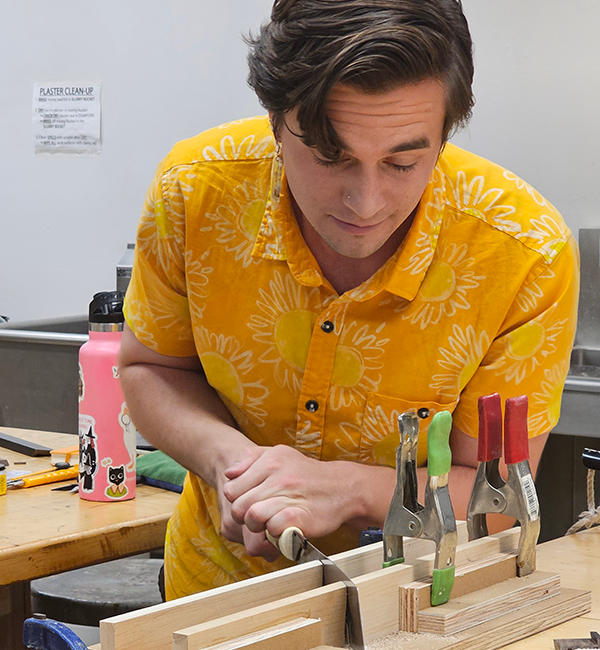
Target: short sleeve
{"x":156,"y":305}
{"x":531,"y":353}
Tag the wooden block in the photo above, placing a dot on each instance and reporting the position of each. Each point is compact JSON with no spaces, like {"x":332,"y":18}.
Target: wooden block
{"x":298,"y":634}
{"x":326,"y":603}
{"x":481,"y":606}
{"x":469,"y":578}
{"x":500,"y":631}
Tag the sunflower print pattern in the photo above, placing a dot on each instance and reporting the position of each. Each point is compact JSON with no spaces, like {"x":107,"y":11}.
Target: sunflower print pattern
{"x":481,"y":297}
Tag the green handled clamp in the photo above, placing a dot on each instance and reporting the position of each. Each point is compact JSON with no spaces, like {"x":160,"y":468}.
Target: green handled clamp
{"x":435,"y":520}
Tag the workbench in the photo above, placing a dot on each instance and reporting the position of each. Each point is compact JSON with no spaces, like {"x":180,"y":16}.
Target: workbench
{"x":44,"y":532}
{"x":291,"y":603}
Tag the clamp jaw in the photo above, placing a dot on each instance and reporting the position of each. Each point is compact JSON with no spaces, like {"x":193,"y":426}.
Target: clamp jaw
{"x":517,"y":496}
{"x":435,"y":520}
{"x":41,"y":633}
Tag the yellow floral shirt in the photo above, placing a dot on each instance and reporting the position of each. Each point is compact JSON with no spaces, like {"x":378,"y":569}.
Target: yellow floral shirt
{"x":481,"y":297}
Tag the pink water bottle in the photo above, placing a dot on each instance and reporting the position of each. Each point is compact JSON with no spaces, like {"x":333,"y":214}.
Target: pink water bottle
{"x":107,"y":436}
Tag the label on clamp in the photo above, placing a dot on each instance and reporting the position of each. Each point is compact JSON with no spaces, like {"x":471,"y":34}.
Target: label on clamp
{"x":533,"y":506}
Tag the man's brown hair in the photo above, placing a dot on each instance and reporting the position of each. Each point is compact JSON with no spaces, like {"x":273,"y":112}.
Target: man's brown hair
{"x":309,"y":46}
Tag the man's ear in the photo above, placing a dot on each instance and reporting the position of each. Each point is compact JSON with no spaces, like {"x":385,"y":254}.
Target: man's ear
{"x":275,"y":126}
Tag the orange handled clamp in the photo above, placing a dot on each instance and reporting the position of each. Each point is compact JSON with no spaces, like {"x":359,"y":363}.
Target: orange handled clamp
{"x":491,"y":494}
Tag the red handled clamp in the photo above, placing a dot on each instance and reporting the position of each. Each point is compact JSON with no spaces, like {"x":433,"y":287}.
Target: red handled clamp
{"x":491,"y":494}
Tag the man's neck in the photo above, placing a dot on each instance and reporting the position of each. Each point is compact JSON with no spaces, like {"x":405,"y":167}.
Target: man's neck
{"x":346,"y":273}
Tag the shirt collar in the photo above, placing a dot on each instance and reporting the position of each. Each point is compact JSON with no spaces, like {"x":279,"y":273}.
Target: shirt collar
{"x":279,"y":238}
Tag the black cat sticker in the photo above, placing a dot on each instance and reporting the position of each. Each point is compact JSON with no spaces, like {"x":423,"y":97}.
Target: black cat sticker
{"x":115,"y":477}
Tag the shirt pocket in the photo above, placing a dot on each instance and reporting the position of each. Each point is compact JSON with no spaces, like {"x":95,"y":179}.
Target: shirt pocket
{"x":379,"y":432}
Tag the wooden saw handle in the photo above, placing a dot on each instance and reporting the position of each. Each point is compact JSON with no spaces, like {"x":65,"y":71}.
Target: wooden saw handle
{"x":285,"y":543}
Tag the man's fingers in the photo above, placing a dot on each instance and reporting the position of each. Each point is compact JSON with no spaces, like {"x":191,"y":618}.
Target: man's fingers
{"x":249,"y":457}
{"x":257,"y":546}
{"x":261,"y":512}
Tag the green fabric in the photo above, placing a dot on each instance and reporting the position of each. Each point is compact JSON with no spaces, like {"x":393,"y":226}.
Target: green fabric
{"x":160,"y":467}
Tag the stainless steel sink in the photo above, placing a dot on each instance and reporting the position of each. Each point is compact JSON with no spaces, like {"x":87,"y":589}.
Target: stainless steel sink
{"x":39,"y":377}
{"x":580,"y":412}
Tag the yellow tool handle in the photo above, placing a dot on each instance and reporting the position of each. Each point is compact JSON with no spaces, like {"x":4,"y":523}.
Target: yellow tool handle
{"x":50,"y":477}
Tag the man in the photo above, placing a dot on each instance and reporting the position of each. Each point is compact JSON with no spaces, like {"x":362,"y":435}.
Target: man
{"x":302,"y":280}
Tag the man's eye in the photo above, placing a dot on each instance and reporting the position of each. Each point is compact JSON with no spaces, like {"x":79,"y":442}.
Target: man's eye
{"x":402,"y":168}
{"x":328,"y":163}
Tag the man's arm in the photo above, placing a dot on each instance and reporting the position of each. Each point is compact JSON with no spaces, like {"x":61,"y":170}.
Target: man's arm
{"x":175,"y":408}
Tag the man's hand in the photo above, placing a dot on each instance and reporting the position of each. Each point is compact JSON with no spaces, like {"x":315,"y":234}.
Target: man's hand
{"x":277,"y":487}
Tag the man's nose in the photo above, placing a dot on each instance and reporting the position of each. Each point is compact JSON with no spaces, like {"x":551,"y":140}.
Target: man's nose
{"x":364,"y":194}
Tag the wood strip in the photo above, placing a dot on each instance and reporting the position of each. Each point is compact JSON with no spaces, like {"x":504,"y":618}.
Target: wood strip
{"x":469,"y":578}
{"x":326,"y":603}
{"x":481,"y":606}
{"x":298,"y":634}
{"x":512,"y":627}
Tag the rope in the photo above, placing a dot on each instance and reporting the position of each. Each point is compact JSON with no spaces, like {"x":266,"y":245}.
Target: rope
{"x":591,"y":516}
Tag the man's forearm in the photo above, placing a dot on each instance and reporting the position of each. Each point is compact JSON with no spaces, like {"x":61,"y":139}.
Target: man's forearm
{"x":180,"y":413}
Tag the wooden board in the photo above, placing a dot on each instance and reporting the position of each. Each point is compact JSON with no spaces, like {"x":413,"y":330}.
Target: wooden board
{"x":298,"y":634}
{"x":326,"y":603}
{"x":499,"y":632}
{"x":486,"y":604}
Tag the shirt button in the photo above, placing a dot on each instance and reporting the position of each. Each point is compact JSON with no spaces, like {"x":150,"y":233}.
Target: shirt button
{"x":312,"y":405}
{"x":327,"y":326}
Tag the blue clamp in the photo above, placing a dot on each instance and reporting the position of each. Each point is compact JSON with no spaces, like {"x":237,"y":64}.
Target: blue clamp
{"x":41,"y":633}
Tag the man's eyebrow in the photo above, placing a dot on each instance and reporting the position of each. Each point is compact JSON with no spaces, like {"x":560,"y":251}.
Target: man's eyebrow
{"x":411,"y":145}
{"x":418,"y":143}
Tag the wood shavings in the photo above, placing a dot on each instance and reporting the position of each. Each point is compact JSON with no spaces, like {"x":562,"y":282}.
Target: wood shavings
{"x":409,"y":640}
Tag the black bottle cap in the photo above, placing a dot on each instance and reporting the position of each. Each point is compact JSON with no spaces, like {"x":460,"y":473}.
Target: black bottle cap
{"x":107,"y":307}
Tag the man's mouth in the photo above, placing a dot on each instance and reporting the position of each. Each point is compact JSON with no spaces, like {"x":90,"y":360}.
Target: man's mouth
{"x":355,"y":229}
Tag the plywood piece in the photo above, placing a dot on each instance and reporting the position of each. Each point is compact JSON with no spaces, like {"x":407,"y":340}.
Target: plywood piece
{"x":298,"y":634}
{"x":326,"y":603}
{"x":486,"y":604}
{"x":152,"y":628}
{"x":469,"y":578}
{"x":499,"y":632}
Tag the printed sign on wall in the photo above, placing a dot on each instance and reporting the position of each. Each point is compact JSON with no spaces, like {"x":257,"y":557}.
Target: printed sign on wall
{"x":66,"y":118}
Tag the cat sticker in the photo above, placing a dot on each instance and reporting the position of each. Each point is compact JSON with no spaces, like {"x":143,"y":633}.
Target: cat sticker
{"x":115,"y":477}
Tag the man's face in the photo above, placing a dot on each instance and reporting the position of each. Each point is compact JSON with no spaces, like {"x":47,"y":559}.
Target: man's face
{"x":391,"y":145}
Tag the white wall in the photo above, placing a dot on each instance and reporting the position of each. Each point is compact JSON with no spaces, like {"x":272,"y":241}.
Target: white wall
{"x":170,"y":69}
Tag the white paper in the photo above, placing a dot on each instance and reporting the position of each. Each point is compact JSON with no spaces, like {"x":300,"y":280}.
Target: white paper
{"x":66,"y":118}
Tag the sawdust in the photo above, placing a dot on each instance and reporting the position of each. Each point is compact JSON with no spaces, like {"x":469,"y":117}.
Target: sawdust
{"x":406,"y":640}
